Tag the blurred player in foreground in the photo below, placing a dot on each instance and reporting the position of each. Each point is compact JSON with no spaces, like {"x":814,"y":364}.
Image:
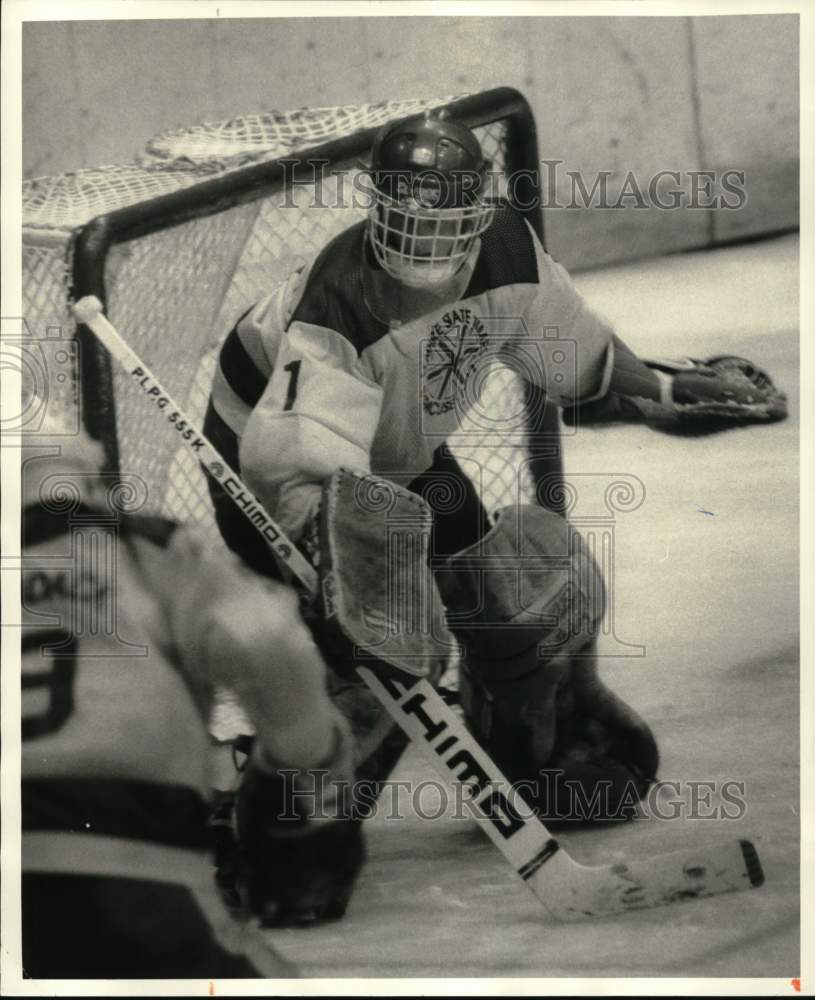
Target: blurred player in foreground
{"x":129,"y":622}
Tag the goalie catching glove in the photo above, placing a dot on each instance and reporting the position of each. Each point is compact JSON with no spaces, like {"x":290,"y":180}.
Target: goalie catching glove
{"x":725,"y":389}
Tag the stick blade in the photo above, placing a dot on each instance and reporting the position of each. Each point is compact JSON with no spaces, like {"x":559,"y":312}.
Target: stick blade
{"x":657,"y":881}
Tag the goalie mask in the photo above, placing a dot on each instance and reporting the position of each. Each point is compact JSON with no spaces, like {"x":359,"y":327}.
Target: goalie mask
{"x":428,"y":173}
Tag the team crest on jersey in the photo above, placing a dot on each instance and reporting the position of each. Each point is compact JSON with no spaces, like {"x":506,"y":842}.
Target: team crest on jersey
{"x":451,"y":353}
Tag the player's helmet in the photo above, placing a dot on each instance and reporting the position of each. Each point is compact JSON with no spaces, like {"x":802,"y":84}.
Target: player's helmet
{"x":428,"y":175}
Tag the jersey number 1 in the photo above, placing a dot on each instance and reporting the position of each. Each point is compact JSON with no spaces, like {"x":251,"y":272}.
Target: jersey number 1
{"x":293,"y":368}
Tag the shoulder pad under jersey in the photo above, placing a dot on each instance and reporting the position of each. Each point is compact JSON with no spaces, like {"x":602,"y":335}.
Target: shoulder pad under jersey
{"x":332,"y":294}
{"x":507,"y":255}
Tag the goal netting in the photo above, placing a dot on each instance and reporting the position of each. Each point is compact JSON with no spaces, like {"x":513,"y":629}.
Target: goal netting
{"x":209,"y":219}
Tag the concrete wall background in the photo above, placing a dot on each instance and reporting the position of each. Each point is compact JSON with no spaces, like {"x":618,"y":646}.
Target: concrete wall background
{"x":609,"y":93}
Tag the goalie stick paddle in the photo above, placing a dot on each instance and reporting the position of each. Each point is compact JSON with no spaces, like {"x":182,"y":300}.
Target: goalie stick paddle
{"x":568,"y":889}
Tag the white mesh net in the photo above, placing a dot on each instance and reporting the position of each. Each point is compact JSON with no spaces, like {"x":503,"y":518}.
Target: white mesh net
{"x":175,"y":293}
{"x":276,"y":133}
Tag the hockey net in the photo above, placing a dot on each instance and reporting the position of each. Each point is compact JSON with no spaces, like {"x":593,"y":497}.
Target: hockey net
{"x":179,"y":244}
{"x":195,"y":232}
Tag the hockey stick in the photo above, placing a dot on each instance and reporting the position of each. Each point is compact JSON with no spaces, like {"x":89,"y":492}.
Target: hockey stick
{"x":566,"y":888}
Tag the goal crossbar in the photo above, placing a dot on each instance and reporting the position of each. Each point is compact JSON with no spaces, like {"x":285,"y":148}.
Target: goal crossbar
{"x":93,"y":241}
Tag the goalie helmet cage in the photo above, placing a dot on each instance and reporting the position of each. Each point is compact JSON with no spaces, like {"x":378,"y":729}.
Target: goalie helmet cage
{"x":175,"y":272}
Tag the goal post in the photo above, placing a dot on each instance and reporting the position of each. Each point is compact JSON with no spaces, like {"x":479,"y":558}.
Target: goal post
{"x":231,"y":210}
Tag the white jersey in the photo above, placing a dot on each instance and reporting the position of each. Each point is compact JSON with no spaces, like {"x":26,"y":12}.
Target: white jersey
{"x":313,"y":377}
{"x":125,"y":620}
{"x":124,"y":623}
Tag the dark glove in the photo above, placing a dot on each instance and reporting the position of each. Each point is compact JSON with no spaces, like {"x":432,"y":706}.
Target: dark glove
{"x":724,"y":386}
{"x":298,"y":854}
{"x":723,"y":390}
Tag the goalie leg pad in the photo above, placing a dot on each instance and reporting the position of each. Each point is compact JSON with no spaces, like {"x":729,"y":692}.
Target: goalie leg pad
{"x":580,"y":752}
{"x":378,"y":741}
{"x":524,"y":594}
{"x":526,"y":603}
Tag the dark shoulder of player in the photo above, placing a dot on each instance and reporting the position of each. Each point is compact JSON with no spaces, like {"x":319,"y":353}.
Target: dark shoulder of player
{"x":40,"y":525}
{"x":507,"y":254}
{"x":332,"y":295}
